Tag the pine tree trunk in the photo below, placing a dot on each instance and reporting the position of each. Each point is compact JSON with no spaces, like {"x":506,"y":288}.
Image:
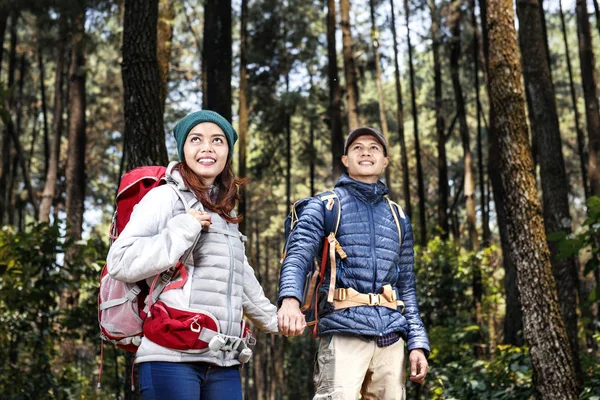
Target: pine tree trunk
{"x":144,"y":131}
{"x":243,"y":111}
{"x":217,"y":57}
{"x":597,"y":12}
{"x":166,"y":17}
{"x":335,"y":94}
{"x":4,"y":11}
{"x":6,"y":172}
{"x":400,"y":118}
{"x":469,"y":188}
{"x":420,"y":179}
{"x":580,"y":134}
{"x":44,"y":111}
{"x":349,"y":66}
{"x":549,"y":348}
{"x":555,"y":186}
{"x":484,"y":204}
{"x":382,"y":112}
{"x":75,"y":171}
{"x":440,"y":123}
{"x":588,"y":77}
{"x":52,"y":171}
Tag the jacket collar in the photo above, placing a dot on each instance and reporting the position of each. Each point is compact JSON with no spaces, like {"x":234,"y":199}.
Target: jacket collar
{"x":367,"y":192}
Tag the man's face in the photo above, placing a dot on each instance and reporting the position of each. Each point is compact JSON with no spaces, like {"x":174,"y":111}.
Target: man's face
{"x":365,"y":160}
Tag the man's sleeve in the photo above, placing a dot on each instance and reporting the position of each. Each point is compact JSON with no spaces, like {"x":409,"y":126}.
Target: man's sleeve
{"x":416,"y":333}
{"x":304,"y":243}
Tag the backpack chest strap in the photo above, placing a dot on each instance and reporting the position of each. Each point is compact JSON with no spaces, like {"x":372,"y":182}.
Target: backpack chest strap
{"x":346,"y":298}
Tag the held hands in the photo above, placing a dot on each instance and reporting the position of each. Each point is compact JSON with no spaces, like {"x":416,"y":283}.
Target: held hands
{"x":290,"y":319}
{"x":418,"y":366}
{"x":202,"y":216}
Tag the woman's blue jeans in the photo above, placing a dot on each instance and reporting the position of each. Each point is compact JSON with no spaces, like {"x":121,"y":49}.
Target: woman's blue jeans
{"x":189,"y":381}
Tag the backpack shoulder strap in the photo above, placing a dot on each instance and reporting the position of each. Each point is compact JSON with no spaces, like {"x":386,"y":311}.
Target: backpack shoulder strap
{"x":187,"y":197}
{"x":397,"y":212}
{"x":333,"y":211}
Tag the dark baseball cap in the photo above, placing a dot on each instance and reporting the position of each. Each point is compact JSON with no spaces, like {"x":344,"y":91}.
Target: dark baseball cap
{"x":362,"y":131}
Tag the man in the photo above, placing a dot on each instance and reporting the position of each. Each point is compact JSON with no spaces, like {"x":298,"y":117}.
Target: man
{"x":363,"y":330}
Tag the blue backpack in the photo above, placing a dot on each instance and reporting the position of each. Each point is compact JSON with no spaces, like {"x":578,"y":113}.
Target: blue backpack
{"x":329,"y":249}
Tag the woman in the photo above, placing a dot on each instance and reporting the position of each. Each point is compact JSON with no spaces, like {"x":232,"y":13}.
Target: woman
{"x":193,"y":341}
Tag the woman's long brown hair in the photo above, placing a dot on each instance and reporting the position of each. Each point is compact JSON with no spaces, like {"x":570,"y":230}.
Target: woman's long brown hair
{"x":228,"y":190}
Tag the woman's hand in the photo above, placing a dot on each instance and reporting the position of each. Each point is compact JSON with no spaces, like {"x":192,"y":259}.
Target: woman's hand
{"x":202,"y":216}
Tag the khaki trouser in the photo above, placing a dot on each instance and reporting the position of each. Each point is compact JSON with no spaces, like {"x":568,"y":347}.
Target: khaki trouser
{"x":347,"y":366}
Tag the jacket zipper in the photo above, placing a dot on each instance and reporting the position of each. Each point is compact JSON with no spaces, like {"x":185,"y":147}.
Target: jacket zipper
{"x":372,"y":236}
{"x":229,"y":286}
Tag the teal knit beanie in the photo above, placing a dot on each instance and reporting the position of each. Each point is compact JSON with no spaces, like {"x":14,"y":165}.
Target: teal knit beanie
{"x":185,"y":125}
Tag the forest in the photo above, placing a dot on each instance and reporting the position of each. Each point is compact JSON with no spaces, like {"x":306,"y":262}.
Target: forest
{"x":490,"y":109}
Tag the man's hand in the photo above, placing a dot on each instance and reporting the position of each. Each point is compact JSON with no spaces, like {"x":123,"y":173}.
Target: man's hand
{"x":418,"y":366}
{"x":290,"y":319}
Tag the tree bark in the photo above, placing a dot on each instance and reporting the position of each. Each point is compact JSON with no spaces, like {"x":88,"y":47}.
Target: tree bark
{"x":382,"y":112}
{"x":4,"y":11}
{"x":544,"y":328}
{"x":597,"y":12}
{"x":8,"y":102}
{"x":335,"y":94}
{"x":144,"y":132}
{"x":469,"y":180}
{"x":75,"y":172}
{"x":52,"y":171}
{"x":166,"y":16}
{"x":580,"y":135}
{"x":243,"y":111}
{"x":442,"y":162}
{"x":216,"y":57}
{"x":485,"y":214}
{"x":349,"y":66}
{"x":400,"y":118}
{"x":44,"y":110}
{"x":555,"y":185}
{"x":420,"y":179}
{"x":588,"y":77}
{"x":469,"y":190}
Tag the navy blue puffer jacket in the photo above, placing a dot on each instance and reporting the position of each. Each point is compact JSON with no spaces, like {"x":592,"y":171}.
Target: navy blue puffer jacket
{"x":369,"y":236}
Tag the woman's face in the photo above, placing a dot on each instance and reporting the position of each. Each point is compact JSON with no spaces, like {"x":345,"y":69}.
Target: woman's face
{"x":205,"y":151}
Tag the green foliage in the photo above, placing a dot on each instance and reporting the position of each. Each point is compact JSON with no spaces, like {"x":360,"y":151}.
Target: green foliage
{"x":42,"y":344}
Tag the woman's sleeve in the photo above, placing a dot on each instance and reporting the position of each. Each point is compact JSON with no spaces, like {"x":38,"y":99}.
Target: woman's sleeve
{"x":153,"y":240}
{"x":257,"y":307}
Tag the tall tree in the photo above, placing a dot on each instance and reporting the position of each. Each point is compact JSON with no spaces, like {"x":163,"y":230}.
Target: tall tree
{"x":597,"y":12}
{"x":400,"y":118}
{"x":468,"y":178}
{"x":4,"y":12}
{"x":46,"y":140}
{"x":555,"y":186}
{"x":589,"y":81}
{"x":144,"y":132}
{"x":580,"y":134}
{"x":6,"y":138}
{"x":52,"y":171}
{"x":461,"y":115}
{"x":549,"y":348}
{"x":166,"y":16}
{"x":442,"y":162}
{"x":349,"y":66}
{"x":413,"y":98}
{"x":335,"y":94}
{"x":217,"y":56}
{"x":75,"y":172}
{"x":382,"y":112}
{"x":243,"y":109}
{"x":476,"y":51}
